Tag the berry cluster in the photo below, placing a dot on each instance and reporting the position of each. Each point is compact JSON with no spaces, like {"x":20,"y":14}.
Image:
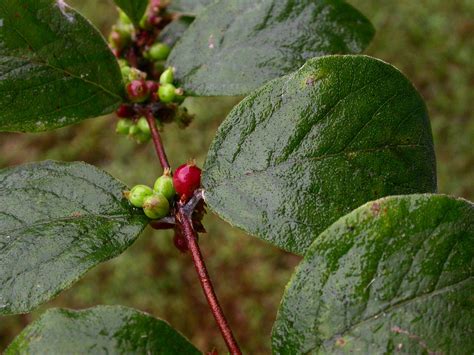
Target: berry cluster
{"x":149,"y":85}
{"x":158,"y":201}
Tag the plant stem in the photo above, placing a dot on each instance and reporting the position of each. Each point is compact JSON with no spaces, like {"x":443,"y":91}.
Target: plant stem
{"x":157,"y":142}
{"x":183,"y":220}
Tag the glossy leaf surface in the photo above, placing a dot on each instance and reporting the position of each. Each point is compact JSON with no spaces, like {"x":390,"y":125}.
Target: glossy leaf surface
{"x":305,"y":149}
{"x":58,"y":220}
{"x":393,"y":276}
{"x":55,"y":67}
{"x":233,"y":47}
{"x":100,"y":330}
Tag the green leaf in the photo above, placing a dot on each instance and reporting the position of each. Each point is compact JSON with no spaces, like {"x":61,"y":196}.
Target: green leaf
{"x":55,"y":67}
{"x":175,"y":30}
{"x":306,"y":149}
{"x":57,"y":221}
{"x":100,"y":330}
{"x":234,"y":47}
{"x":395,"y":275}
{"x":189,"y":7}
{"x":135,"y":9}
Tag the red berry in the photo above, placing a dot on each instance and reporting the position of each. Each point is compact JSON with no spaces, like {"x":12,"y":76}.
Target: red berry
{"x":125,"y":111}
{"x":137,"y":91}
{"x":152,"y":86}
{"x":186,"y":180}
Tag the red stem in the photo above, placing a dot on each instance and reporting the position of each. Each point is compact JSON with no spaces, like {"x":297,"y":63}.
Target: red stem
{"x":157,"y":142}
{"x":185,"y":224}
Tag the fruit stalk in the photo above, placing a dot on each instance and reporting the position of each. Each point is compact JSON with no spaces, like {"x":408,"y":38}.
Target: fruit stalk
{"x":185,"y":224}
{"x":183,"y":221}
{"x":157,"y":142}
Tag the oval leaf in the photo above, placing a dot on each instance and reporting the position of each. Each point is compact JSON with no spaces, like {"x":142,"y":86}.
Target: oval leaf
{"x":395,"y":275}
{"x":55,"y":67}
{"x":189,"y":7}
{"x":100,"y":330}
{"x":57,"y":221}
{"x":306,"y":149}
{"x":236,"y":46}
{"x":135,"y":9}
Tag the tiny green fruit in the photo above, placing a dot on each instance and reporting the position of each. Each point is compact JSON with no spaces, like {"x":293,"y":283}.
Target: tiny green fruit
{"x":143,"y":125}
{"x":123,"y":18}
{"x":138,"y":194}
{"x":134,"y":130}
{"x":159,"y":51}
{"x":126,"y":71}
{"x":142,"y":137}
{"x":156,"y":206}
{"x":167,"y":77}
{"x":167,"y":93}
{"x":164,"y":185}
{"x":123,"y":126}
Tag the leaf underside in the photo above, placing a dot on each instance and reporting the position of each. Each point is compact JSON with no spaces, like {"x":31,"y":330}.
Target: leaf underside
{"x":305,"y":149}
{"x":55,"y":67}
{"x":100,"y":330}
{"x":395,"y":275}
{"x":236,"y":46}
{"x":57,"y":221}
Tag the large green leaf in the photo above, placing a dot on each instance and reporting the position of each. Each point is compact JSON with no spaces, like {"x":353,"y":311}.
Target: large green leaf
{"x":55,"y":67}
{"x":189,"y":7}
{"x":395,"y":275}
{"x":175,"y":30}
{"x":58,"y":220}
{"x":100,"y":330}
{"x":306,"y":149}
{"x":135,"y":9}
{"x":235,"y":46}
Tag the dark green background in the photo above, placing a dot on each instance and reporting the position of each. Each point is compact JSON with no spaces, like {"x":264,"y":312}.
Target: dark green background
{"x":429,"y":40}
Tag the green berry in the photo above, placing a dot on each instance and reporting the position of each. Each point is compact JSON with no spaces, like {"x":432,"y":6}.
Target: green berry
{"x":164,"y":185}
{"x":122,"y":63}
{"x":167,"y":93}
{"x":142,"y":137}
{"x":126,"y":70}
{"x":156,"y":206}
{"x":143,"y":125}
{"x":167,"y":77}
{"x":159,"y":51}
{"x":139,"y":194}
{"x":123,"y":126}
{"x":134,"y":130}
{"x":144,"y":23}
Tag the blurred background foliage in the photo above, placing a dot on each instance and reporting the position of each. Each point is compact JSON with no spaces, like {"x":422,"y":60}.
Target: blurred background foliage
{"x":429,"y":40}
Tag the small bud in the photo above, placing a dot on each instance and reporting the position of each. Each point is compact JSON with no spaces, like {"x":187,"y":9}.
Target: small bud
{"x":125,"y":111}
{"x":167,"y":77}
{"x":159,"y":51}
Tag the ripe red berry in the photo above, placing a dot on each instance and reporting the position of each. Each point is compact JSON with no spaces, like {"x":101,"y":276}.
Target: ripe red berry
{"x":186,"y":179}
{"x":125,"y":111}
{"x":137,"y":91}
{"x":152,"y":86}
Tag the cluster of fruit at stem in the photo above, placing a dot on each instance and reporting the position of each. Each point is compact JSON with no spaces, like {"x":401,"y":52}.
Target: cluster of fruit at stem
{"x":160,"y":201}
{"x":149,"y":86}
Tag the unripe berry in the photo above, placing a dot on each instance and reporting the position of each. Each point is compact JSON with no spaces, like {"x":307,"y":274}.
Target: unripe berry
{"x":123,"y":18}
{"x":164,"y":185}
{"x":138,"y":194}
{"x":134,"y":130}
{"x":123,"y":126}
{"x":159,"y":51}
{"x":137,"y":91}
{"x":126,"y":70}
{"x":143,"y":125}
{"x":167,"y":93}
{"x":156,"y":206}
{"x":125,"y":111}
{"x":142,"y":137}
{"x":167,"y":77}
{"x":186,"y":179}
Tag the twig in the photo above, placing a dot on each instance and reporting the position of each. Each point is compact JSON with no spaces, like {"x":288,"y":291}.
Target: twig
{"x":157,"y":142}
